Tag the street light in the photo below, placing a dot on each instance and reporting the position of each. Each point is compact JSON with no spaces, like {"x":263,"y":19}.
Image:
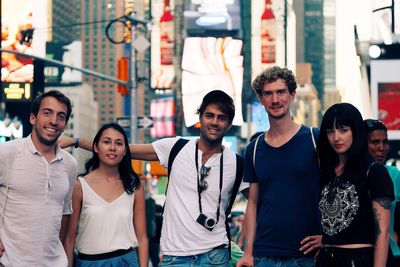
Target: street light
{"x":132,"y":73}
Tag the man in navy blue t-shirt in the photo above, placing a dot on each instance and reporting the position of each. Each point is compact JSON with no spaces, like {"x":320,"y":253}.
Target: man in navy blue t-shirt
{"x":282,"y":215}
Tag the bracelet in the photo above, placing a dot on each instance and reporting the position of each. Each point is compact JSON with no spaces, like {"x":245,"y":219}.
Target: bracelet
{"x":76,"y":144}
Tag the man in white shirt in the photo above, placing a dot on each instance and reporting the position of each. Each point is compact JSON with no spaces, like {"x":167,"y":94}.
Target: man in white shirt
{"x":201,"y":181}
{"x":36,"y":181}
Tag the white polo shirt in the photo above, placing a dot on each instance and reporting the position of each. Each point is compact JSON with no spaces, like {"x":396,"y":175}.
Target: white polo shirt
{"x":181,"y":235}
{"x":38,"y":194}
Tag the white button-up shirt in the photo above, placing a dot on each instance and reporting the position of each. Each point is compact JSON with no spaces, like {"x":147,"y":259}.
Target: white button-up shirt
{"x":34,"y":194}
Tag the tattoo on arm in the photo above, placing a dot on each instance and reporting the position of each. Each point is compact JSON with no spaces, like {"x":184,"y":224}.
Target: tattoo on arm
{"x":384,"y":202}
{"x":377,"y":218}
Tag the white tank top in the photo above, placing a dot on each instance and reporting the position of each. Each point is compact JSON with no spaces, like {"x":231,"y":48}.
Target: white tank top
{"x":105,"y":226}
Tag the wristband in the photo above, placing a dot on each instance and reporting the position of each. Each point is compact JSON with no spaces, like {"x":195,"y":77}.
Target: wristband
{"x":76,"y":144}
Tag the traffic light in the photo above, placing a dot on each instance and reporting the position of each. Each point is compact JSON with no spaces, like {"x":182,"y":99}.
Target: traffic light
{"x":123,"y":75}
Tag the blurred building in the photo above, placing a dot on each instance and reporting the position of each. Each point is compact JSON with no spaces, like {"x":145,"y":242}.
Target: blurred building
{"x":84,"y":121}
{"x":65,"y":19}
{"x":307,"y":105}
{"x":329,"y":78}
{"x":331,"y":97}
{"x":100,"y":55}
{"x":310,"y":38}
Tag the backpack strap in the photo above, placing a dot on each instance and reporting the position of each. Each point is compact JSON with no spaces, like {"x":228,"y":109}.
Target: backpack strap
{"x":238,"y":180}
{"x":313,"y":138}
{"x":235,"y":190}
{"x":314,"y":144}
{"x":172,"y":155}
{"x":255,"y":149}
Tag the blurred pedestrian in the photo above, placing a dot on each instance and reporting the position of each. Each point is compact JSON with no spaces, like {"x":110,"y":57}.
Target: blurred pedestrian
{"x":356,"y":195}
{"x":282,"y":216}
{"x":109,"y":221}
{"x":36,"y":181}
{"x":154,"y":242}
{"x":378,"y":148}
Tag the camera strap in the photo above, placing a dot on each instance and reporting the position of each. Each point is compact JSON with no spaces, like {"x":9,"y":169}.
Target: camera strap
{"x":221,"y":167}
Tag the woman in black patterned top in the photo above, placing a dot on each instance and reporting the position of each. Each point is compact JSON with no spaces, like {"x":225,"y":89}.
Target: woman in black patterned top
{"x":356,"y":194}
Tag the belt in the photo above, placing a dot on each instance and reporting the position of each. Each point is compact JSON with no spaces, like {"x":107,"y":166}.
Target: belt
{"x":104,"y":256}
{"x":221,"y":246}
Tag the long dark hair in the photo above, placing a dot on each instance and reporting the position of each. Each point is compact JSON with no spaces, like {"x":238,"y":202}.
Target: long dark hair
{"x":129,"y":178}
{"x":342,"y":114}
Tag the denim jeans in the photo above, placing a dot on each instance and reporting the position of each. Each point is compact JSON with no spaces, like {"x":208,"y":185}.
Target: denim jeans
{"x":127,"y":260}
{"x":214,"y":257}
{"x":281,"y":262}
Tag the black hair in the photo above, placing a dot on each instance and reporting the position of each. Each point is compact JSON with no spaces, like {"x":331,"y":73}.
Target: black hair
{"x":374,"y":125}
{"x":271,"y":75}
{"x":222,"y":100}
{"x":129,"y":178}
{"x":52,"y":93}
{"x":339,"y":115}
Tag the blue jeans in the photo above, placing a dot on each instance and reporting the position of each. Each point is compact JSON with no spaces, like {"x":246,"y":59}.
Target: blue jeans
{"x":279,"y":262}
{"x":214,"y":257}
{"x":128,"y":260}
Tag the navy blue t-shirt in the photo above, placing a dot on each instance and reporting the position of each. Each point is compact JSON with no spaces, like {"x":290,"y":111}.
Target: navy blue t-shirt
{"x":288,"y":178}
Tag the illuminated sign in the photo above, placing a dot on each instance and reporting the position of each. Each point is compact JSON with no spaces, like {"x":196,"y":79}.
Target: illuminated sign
{"x":385,"y":94}
{"x":215,"y":14}
{"x":162,"y":45}
{"x":17,"y":91}
{"x":19,"y":21}
{"x":209,"y":64}
{"x":162,"y":111}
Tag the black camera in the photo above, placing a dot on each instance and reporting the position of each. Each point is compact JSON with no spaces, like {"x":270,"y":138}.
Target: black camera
{"x":206,"y":222}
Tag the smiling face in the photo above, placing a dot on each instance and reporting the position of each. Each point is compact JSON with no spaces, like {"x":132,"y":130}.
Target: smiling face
{"x":276,"y":99}
{"x":49,"y":122}
{"x":378,"y":145}
{"x":110,"y":148}
{"x":340,"y":139}
{"x":214,"y":124}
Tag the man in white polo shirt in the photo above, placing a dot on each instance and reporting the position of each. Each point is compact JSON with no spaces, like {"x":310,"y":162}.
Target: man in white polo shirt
{"x":36,"y":181}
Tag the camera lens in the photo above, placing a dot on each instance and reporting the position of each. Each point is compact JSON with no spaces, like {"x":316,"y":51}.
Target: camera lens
{"x":210,"y":223}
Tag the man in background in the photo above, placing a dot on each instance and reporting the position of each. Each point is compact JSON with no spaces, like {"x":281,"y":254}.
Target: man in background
{"x":378,"y":148}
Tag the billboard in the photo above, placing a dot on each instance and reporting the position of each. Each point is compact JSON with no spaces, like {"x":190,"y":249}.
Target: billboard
{"x":385,"y":94}
{"x":19,"y":21}
{"x":259,"y":117}
{"x":209,"y":64}
{"x":162,"y":45}
{"x":212,"y":15}
{"x":162,"y":110}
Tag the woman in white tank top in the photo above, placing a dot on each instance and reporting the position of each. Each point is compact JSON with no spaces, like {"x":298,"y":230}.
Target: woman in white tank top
{"x":108,"y":225}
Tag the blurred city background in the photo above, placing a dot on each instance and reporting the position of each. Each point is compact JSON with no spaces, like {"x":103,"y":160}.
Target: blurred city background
{"x":147,"y":63}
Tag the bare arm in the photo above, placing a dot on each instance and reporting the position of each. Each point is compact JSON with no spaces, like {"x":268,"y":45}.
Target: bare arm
{"x":381,"y":212}
{"x":143,"y":152}
{"x":64,"y":225}
{"x":1,"y":248}
{"x":70,"y":235}
{"x":250,"y":226}
{"x":242,"y":236}
{"x":138,"y":151}
{"x":139,"y":224}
